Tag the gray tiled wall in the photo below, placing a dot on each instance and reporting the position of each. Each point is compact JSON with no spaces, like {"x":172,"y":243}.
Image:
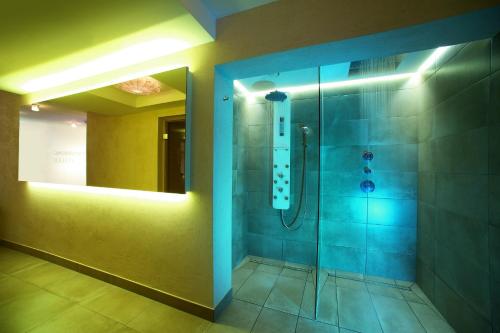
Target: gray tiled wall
{"x":373,"y":234}
{"x":458,"y":231}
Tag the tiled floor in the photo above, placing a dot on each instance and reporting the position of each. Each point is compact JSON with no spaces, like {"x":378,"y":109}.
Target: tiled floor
{"x":37,"y":296}
{"x":270,"y":296}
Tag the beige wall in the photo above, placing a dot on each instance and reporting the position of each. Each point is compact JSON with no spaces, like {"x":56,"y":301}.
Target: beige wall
{"x":168,"y":245}
{"x":122,"y":151}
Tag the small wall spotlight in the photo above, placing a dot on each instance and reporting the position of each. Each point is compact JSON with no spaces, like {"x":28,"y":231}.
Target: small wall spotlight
{"x":35,"y":107}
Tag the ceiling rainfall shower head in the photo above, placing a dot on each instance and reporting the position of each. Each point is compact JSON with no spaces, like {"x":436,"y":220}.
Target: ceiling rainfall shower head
{"x":276,"y":96}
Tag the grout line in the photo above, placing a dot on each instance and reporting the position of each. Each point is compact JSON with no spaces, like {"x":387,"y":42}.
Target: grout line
{"x":375,"y":309}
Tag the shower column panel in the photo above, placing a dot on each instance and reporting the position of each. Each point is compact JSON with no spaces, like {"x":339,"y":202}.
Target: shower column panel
{"x":281,"y":154}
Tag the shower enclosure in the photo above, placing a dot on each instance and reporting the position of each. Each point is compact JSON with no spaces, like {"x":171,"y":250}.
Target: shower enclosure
{"x":333,"y":166}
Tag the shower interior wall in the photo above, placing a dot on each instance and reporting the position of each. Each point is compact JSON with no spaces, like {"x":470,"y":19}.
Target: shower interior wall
{"x":458,"y":256}
{"x":373,"y":235}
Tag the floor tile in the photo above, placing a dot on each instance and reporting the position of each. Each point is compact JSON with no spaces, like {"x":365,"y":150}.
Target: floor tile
{"x":286,"y":295}
{"x":24,"y":313}
{"x":323,"y":276}
{"x":384,"y":291}
{"x":431,"y":321}
{"x":307,"y":306}
{"x":294,"y":273}
{"x":13,"y":261}
{"x":222,"y":328}
{"x":257,"y":288}
{"x":42,"y":275}
{"x":328,"y":308}
{"x":410,"y":296}
{"x":239,"y":315}
{"x":273,"y":321}
{"x":351,"y":284}
{"x":396,"y":316}
{"x":78,"y":288}
{"x":269,"y":269}
{"x":239,"y":277}
{"x":118,"y":304}
{"x":249,"y":265}
{"x":12,"y":288}
{"x":159,"y":318}
{"x":305,"y":325}
{"x":356,"y":311}
{"x":78,"y":320}
{"x":406,"y":284}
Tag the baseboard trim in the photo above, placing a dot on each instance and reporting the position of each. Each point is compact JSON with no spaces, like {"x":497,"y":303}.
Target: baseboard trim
{"x":135,"y":287}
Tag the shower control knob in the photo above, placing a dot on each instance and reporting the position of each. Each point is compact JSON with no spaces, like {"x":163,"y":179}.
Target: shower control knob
{"x":280,"y":189}
{"x":275,"y":197}
{"x":280,"y":174}
{"x":286,"y":166}
{"x":275,"y":181}
{"x":286,"y":198}
{"x":286,"y":181}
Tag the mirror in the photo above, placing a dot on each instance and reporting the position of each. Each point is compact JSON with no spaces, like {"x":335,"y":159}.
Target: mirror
{"x":130,"y":135}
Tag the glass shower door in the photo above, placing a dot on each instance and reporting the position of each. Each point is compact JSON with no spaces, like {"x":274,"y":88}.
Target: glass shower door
{"x":368,"y":181}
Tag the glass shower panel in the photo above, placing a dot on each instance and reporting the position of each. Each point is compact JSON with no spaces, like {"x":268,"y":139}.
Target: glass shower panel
{"x":368,"y":179}
{"x":277,"y":131}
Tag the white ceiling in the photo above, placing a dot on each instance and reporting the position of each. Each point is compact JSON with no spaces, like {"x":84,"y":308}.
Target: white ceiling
{"x":221,"y":8}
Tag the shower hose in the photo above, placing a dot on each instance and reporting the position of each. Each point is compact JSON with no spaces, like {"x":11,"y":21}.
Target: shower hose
{"x":303,"y":191}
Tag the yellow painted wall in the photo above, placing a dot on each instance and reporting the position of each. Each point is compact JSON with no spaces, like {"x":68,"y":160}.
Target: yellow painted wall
{"x":122,"y":151}
{"x":168,"y":245}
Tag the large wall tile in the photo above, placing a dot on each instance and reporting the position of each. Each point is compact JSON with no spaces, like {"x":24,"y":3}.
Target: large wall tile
{"x":344,"y":209}
{"x":469,"y":65}
{"x":392,"y":130}
{"x":391,"y":265}
{"x":397,"y":157}
{"x":494,"y":240}
{"x":347,"y":259}
{"x":495,"y":53}
{"x":300,"y":252}
{"x":467,"y":237}
{"x":344,"y":234}
{"x":397,"y":212}
{"x":466,"y":152}
{"x":495,"y":98}
{"x":455,"y":309}
{"x":465,"y":277}
{"x":427,"y":187}
{"x":263,"y":246}
{"x":494,"y":151}
{"x":494,"y":199}
{"x":425,"y":279}
{"x":464,"y":194}
{"x":395,"y":185}
{"x":346,"y":133}
{"x":341,"y":107}
{"x":465,"y":111}
{"x":391,"y":239}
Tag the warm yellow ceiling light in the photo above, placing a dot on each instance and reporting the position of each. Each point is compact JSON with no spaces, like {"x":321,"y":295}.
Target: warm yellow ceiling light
{"x":126,"y":57}
{"x":143,"y":86}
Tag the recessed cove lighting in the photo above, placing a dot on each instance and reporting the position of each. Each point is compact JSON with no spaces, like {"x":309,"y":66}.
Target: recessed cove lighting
{"x":35,"y":107}
{"x":126,"y":57}
{"x":91,"y":190}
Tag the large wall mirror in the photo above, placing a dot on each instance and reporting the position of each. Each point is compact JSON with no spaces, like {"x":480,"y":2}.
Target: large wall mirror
{"x":130,"y":135}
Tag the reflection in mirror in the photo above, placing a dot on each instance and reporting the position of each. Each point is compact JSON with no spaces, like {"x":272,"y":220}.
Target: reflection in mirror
{"x":130,"y":135}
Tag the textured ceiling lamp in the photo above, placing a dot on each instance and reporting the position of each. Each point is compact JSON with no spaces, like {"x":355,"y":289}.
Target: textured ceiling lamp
{"x":142,"y":86}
